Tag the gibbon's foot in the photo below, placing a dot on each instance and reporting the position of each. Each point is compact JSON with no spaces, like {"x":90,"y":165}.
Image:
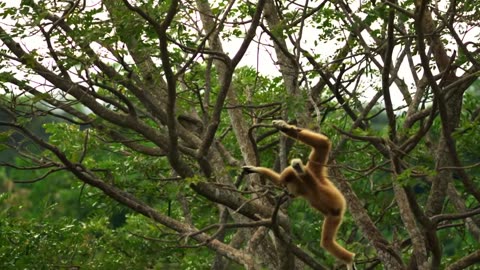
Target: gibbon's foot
{"x":283,"y":126}
{"x":297,"y":165}
{"x":249,"y":169}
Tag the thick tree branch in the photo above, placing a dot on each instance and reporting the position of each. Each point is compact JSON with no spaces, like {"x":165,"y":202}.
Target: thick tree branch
{"x":465,"y":262}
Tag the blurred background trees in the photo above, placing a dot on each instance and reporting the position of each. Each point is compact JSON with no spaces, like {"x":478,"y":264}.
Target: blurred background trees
{"x":124,"y":125}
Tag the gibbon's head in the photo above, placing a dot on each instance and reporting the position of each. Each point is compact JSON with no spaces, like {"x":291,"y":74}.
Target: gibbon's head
{"x":298,"y":167}
{"x":294,"y":182}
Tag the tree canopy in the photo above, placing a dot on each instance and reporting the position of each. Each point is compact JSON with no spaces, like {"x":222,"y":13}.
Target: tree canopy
{"x":124,"y":126}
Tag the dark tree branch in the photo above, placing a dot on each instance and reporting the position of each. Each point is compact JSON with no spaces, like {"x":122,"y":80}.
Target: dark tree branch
{"x":443,"y":217}
{"x":440,"y":96}
{"x":465,"y":262}
{"x":385,"y":76}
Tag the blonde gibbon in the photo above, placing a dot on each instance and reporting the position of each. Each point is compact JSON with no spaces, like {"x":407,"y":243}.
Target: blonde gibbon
{"x":311,"y":182}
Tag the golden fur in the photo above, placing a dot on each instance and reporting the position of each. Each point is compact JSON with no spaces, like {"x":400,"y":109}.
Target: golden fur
{"x":311,"y":182}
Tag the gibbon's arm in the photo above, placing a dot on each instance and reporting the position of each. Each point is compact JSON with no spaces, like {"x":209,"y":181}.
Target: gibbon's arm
{"x":287,"y":179}
{"x":319,"y":143}
{"x":270,"y":174}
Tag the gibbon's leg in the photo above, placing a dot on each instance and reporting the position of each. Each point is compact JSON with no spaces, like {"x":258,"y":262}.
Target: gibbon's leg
{"x":328,"y":242}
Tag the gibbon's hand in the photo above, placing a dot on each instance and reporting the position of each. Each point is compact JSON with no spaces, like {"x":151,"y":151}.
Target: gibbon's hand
{"x":249,"y":169}
{"x":284,"y":126}
{"x":281,"y":125}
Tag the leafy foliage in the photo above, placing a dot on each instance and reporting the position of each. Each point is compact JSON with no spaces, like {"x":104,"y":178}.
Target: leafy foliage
{"x":124,"y":125}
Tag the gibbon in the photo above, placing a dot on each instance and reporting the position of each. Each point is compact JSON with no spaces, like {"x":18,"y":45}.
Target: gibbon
{"x":311,"y":182}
